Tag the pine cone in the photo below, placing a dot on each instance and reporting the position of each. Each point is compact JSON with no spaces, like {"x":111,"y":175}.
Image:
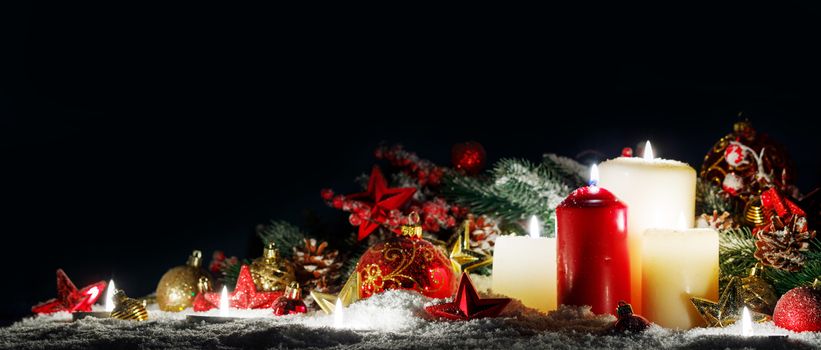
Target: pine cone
{"x":717,"y":222}
{"x":483,"y":233}
{"x":317,"y":267}
{"x":781,"y":245}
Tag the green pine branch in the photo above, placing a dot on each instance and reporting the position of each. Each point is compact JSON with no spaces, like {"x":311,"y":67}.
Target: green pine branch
{"x":735,"y":253}
{"x":515,"y":189}
{"x":710,"y":197}
{"x":284,"y":234}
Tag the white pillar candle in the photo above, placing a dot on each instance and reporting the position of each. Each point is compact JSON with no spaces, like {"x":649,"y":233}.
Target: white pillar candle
{"x":678,"y":264}
{"x":524,"y":268}
{"x":659,"y":193}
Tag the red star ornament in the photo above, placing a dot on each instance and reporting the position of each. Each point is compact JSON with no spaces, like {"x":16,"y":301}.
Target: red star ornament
{"x":69,"y":298}
{"x":381,"y":201}
{"x":244,"y":296}
{"x":468,"y":305}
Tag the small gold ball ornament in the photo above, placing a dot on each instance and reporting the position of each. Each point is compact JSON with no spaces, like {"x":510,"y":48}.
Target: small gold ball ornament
{"x":179,"y":286}
{"x":126,"y":308}
{"x":270,"y":271}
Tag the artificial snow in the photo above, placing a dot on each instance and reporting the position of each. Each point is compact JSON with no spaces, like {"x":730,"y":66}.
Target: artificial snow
{"x":391,"y":320}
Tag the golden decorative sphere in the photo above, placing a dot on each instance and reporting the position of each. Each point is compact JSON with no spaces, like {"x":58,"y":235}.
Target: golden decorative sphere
{"x":179,"y":286}
{"x":126,"y":308}
{"x":270,"y":271}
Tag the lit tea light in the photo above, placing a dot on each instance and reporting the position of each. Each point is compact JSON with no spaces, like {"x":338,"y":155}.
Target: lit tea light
{"x":746,"y":323}
{"x":109,"y":303}
{"x":223,"y":314}
{"x":747,"y":330}
{"x":224,"y":307}
{"x":339,"y":311}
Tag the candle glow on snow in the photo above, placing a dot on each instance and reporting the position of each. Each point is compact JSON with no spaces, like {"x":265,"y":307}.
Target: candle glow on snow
{"x":224,"y":307}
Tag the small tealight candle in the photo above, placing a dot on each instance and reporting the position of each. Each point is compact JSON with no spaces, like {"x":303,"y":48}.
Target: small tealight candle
{"x":524,"y":267}
{"x":108,"y":304}
{"x":339,"y":311}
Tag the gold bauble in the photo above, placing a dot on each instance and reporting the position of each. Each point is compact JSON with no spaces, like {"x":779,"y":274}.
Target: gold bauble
{"x":270,"y":271}
{"x":126,"y":308}
{"x":179,"y":286}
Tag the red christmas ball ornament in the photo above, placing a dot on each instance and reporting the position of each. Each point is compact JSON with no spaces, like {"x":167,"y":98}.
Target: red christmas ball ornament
{"x":291,"y":302}
{"x":732,"y":184}
{"x":799,"y":310}
{"x":627,"y":321}
{"x":406,"y":262}
{"x":468,"y":157}
{"x":627,"y":152}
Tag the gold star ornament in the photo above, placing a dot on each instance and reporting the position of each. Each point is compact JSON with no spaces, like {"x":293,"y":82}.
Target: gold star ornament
{"x":348,"y":295}
{"x":462,"y":258}
{"x":728,"y":309}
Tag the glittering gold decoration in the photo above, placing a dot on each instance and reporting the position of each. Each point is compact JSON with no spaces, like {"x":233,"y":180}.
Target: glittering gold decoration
{"x":348,"y":295}
{"x":270,"y":271}
{"x":465,"y":259}
{"x":414,"y":230}
{"x":756,"y":293}
{"x":126,"y":308}
{"x":728,"y":308}
{"x":179,"y":286}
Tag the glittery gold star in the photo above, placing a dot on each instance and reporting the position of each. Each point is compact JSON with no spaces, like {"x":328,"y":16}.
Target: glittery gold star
{"x":462,"y":258}
{"x":728,"y":308}
{"x":349,"y":295}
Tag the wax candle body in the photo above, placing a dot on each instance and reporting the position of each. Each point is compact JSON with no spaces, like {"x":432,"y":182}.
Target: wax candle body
{"x":660,"y":194}
{"x":525,"y":268}
{"x":594,"y":264}
{"x":678,"y":264}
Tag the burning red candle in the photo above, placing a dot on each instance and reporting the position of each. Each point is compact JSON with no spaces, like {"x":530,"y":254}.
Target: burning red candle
{"x":594,"y":264}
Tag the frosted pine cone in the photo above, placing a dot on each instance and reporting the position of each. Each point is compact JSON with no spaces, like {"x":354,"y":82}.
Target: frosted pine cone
{"x":483,"y":233}
{"x":782,"y":245}
{"x":717,"y":222}
{"x":317,"y":267}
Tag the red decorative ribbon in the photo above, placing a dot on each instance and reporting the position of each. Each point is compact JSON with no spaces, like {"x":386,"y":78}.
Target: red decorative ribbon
{"x":772,"y":200}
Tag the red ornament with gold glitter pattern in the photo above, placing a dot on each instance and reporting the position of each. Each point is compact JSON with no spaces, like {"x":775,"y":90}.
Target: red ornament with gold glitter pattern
{"x":406,"y":262}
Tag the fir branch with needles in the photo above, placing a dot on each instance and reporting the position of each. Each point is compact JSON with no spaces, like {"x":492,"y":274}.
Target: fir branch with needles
{"x":515,"y":189}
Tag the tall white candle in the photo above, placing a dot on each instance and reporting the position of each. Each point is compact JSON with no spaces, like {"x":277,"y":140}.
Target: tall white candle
{"x":678,"y":264}
{"x":525,"y":268}
{"x":659,"y":193}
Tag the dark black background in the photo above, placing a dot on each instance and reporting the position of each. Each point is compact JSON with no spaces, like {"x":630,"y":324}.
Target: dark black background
{"x":132,"y":134}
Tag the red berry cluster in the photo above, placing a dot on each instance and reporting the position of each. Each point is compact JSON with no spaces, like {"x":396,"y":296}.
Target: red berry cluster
{"x":422,"y":170}
{"x":219,"y":262}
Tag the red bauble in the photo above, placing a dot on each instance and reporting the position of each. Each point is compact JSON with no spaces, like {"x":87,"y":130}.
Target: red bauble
{"x":469,"y":157}
{"x":799,"y":310}
{"x":734,"y":155}
{"x":406,"y":263}
{"x":291,"y":302}
{"x":628,"y":322}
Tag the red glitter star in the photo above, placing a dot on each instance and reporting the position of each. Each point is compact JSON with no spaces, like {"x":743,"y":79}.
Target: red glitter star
{"x":381,"y":201}
{"x":468,"y":305}
{"x":244,"y":296}
{"x":69,"y":298}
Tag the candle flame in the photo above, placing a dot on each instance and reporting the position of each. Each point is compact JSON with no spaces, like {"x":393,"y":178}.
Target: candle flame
{"x":746,"y":323}
{"x":648,"y":151}
{"x":224,"y":302}
{"x":594,"y":175}
{"x":109,"y":296}
{"x":338,"y":313}
{"x":533,"y":227}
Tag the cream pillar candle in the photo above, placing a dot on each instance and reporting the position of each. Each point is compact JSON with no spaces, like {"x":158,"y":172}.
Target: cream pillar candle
{"x":525,"y":268}
{"x":659,"y":193}
{"x":678,"y":264}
